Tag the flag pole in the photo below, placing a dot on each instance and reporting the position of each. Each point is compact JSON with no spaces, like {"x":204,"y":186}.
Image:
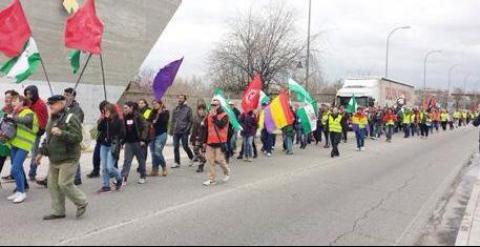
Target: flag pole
{"x":103,"y":77}
{"x":46,"y":75}
{"x":83,"y":71}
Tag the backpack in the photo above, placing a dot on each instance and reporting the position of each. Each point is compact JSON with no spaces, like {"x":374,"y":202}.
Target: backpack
{"x":8,"y":130}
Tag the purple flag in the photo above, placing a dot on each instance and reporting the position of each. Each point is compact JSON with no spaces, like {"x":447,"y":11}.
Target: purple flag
{"x":269,"y":124}
{"x":165,"y":78}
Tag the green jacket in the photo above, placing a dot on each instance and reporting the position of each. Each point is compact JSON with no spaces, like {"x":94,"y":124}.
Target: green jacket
{"x":65,"y":148}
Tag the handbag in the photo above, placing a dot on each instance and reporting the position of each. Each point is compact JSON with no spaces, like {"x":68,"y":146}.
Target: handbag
{"x":8,"y":130}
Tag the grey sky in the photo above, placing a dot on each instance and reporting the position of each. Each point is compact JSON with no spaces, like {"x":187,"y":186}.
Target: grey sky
{"x":353,"y":40}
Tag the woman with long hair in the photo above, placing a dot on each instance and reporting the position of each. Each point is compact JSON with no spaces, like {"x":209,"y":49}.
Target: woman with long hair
{"x":158,"y":120}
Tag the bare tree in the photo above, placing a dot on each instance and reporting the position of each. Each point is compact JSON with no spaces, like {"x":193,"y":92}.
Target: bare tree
{"x":263,"y":41}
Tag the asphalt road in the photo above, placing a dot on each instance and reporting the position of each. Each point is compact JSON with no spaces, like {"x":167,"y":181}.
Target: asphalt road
{"x":383,"y":196}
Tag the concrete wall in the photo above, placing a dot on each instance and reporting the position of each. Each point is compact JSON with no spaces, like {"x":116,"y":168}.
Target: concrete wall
{"x":131,"y":29}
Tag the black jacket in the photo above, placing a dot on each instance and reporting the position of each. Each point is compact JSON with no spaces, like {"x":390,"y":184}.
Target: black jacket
{"x":110,"y":131}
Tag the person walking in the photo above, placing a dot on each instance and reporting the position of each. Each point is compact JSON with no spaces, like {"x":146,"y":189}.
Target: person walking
{"x":39,"y":107}
{"x":4,"y":145}
{"x":345,"y":123}
{"x":406,"y":122}
{"x":197,"y":137}
{"x":159,"y":120}
{"x":425,"y":124}
{"x":62,"y":147}
{"x":23,"y":142}
{"x":389,"y":121}
{"x":248,"y":120}
{"x":135,"y":136}
{"x":360,"y":122}
{"x":96,"y":153}
{"x":217,"y":124}
{"x":325,"y":113}
{"x":444,"y":117}
{"x":111,"y":134}
{"x":74,"y":107}
{"x":181,"y":125}
{"x":335,"y":126}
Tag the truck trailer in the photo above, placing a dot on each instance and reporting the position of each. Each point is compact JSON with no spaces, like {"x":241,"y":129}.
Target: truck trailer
{"x":380,"y":92}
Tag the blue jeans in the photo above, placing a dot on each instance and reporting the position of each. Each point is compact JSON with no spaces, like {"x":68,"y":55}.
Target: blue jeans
{"x":389,"y":129}
{"x":288,"y":142}
{"x":107,"y":163}
{"x":18,"y":156}
{"x":248,"y":146}
{"x":33,"y":166}
{"x":360,"y":136}
{"x":177,"y":138}
{"x":268,"y":140}
{"x":156,"y":149}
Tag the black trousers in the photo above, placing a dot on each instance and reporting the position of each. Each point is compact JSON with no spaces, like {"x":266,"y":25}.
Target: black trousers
{"x":2,"y":162}
{"x":335,"y":140}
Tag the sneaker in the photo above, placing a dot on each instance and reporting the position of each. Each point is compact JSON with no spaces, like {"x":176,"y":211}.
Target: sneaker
{"x":43,"y":183}
{"x":20,"y":198}
{"x":226,"y":179}
{"x":142,"y":181}
{"x":118,"y":185}
{"x":209,"y":183}
{"x":104,"y":190}
{"x":269,"y":155}
{"x":176,"y":166}
{"x":12,"y":197}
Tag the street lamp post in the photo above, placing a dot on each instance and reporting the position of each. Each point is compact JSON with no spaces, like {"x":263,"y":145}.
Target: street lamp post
{"x":450,"y":71}
{"x":387,"y":57}
{"x":307,"y":77}
{"x":425,"y":70}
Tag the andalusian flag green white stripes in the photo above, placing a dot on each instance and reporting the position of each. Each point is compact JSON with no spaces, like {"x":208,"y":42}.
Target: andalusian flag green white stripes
{"x":264,"y":99}
{"x":218,"y":95}
{"x":308,"y":118}
{"x":22,"y":67}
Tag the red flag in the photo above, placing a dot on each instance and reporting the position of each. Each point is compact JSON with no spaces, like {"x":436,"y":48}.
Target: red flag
{"x":84,"y":30}
{"x":251,"y":95}
{"x":14,"y":29}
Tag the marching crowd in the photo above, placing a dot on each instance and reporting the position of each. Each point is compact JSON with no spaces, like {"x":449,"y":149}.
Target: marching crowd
{"x":53,"y":130}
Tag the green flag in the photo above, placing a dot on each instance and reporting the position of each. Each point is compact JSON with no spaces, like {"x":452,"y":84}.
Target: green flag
{"x":352,"y":105}
{"x":22,"y":67}
{"x":302,"y":94}
{"x":218,"y":95}
{"x":74,"y":58}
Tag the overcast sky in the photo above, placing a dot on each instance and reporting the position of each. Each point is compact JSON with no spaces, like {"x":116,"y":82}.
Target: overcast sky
{"x":353,"y":40}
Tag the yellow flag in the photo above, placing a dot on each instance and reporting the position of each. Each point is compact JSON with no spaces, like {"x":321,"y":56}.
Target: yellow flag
{"x":70,"y":5}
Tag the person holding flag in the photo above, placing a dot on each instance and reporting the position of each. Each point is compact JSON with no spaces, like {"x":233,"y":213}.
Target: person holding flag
{"x":216,"y":124}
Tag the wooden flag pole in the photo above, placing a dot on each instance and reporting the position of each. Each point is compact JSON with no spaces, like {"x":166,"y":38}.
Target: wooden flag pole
{"x":46,"y":75}
{"x":82,"y":72}
{"x":103,"y":77}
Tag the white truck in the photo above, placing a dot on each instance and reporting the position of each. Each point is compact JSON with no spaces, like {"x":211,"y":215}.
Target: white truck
{"x":379,"y":92}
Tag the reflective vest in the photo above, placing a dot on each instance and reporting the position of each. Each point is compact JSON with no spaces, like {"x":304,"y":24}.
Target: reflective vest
{"x":457,"y":115}
{"x":215,"y":134}
{"x":25,"y":137}
{"x":335,"y":124}
{"x":325,"y":118}
{"x":407,"y":118}
{"x":146,"y":114}
{"x":360,"y":120}
{"x":444,"y":117}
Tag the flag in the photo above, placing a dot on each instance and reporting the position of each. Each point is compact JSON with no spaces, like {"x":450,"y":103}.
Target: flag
{"x":165,"y":78}
{"x":84,"y":30}
{"x":302,"y":94}
{"x":264,"y":99}
{"x":14,"y":29}
{"x":23,"y":66}
{"x":308,"y":118}
{"x":74,"y":58}
{"x":352,"y":105}
{"x":251,"y":95}
{"x":218,"y":95}
{"x":278,"y":114}
{"x":70,"y":5}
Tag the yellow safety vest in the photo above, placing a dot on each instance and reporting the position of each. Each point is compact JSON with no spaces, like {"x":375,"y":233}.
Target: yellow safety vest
{"x":147,"y":113}
{"x":444,"y":117}
{"x":25,"y":137}
{"x":335,"y":125}
{"x":325,"y":117}
{"x":407,"y":118}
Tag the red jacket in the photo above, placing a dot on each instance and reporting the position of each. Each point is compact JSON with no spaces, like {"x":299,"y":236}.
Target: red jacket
{"x":41,"y":110}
